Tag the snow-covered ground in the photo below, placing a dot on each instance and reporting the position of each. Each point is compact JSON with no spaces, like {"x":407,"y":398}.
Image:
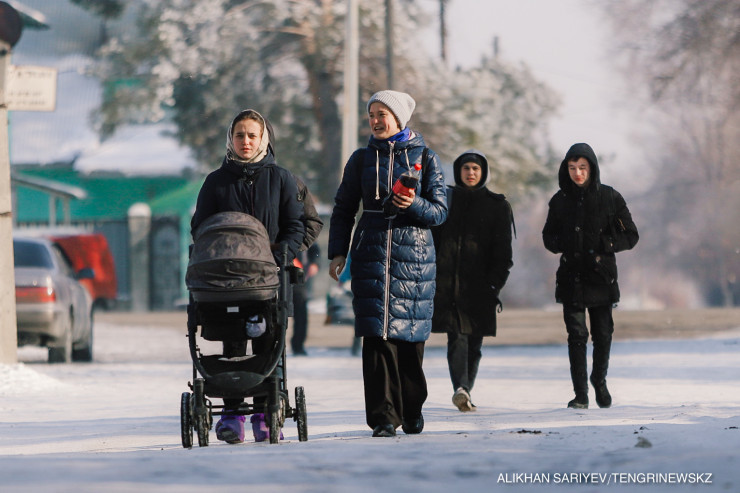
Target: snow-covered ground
{"x":113,"y":425}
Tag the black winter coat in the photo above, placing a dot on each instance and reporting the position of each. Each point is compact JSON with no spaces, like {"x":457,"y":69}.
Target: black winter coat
{"x":310,"y":218}
{"x":263,"y":190}
{"x":587,"y":226}
{"x":473,"y":257}
{"x":393,"y":262}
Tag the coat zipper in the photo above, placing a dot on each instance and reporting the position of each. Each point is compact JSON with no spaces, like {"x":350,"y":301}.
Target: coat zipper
{"x":388,"y":243}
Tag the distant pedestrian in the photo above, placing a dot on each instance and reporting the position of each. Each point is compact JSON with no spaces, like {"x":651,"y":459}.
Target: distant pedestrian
{"x":393,"y":262}
{"x":587,"y":223}
{"x":473,"y":262}
{"x":308,"y":260}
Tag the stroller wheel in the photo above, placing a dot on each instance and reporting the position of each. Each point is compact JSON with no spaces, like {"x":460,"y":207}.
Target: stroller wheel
{"x":201,"y":423}
{"x":186,"y":420}
{"x":202,"y":413}
{"x":275,"y":415}
{"x":273,"y":420}
{"x":300,"y":414}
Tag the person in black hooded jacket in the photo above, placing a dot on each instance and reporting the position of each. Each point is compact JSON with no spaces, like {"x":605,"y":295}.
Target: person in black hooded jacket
{"x":473,"y":261}
{"x":250,"y":181}
{"x":587,"y":223}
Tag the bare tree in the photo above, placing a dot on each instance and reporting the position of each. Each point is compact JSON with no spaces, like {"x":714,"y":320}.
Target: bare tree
{"x":684,"y":56}
{"x":443,"y":29}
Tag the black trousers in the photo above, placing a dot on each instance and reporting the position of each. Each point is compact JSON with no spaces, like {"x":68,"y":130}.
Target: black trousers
{"x":463,"y":359}
{"x":300,"y":319}
{"x":395,"y":385}
{"x":602,"y":328}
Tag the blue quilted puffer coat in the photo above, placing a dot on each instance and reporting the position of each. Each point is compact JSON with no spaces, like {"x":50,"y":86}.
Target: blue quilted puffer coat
{"x":393,"y":265}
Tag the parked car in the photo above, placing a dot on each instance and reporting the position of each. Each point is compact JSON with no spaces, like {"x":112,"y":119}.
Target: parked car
{"x":91,"y":250}
{"x":52,"y":308}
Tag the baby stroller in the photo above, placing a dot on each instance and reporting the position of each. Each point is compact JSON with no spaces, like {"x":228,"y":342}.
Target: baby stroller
{"x":233,"y":281}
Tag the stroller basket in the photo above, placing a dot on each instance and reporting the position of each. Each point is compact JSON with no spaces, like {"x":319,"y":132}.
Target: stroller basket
{"x":229,"y":379}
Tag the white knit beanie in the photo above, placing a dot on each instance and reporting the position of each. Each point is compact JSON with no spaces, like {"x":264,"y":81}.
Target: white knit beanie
{"x":400,"y":104}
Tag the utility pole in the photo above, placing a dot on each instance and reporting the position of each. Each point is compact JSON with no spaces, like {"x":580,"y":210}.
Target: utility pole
{"x":443,"y":30}
{"x":11,"y":26}
{"x":10,"y":31}
{"x":389,"y":21}
{"x":351,"y":81}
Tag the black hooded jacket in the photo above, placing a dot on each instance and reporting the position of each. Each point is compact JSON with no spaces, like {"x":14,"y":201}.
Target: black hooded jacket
{"x":474,"y":255}
{"x":587,"y":226}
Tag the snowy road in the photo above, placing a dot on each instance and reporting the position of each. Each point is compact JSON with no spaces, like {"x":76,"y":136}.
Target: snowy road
{"x":113,"y":425}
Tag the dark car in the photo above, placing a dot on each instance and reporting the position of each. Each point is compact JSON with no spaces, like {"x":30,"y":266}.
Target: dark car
{"x":53,"y":309}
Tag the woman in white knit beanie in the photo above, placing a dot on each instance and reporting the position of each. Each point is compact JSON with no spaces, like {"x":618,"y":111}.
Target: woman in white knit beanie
{"x":393,"y":262}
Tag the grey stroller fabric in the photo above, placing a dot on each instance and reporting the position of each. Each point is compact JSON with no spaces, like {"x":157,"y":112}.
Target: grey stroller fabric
{"x":231,"y":260}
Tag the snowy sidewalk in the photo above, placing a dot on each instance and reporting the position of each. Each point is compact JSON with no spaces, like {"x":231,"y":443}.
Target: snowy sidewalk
{"x":113,"y":425}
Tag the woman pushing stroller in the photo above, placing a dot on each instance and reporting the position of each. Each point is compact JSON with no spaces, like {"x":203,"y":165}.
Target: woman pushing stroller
{"x":250,"y":181}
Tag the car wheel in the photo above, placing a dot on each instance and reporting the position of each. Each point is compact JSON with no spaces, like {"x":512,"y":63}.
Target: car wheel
{"x":84,"y":353}
{"x":61,"y":352}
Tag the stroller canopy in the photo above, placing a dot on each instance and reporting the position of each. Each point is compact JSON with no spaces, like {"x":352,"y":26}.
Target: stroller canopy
{"x":231,"y":254}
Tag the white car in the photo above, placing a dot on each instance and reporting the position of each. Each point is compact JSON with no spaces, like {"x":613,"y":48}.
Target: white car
{"x":53,"y":309}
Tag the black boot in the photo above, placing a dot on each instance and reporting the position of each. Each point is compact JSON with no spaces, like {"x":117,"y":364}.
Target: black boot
{"x":598,"y":375}
{"x":578,"y":374}
{"x":603,"y":397}
{"x":413,"y":426}
{"x":385,"y":430}
{"x":580,"y":402}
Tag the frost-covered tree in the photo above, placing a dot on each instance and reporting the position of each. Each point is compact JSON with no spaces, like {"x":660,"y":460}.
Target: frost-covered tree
{"x":683,"y":56}
{"x":200,"y":61}
{"x":197,"y":62}
{"x":499,"y":108}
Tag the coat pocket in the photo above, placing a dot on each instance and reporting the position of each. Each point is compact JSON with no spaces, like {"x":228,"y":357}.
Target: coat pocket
{"x":602,"y":269}
{"x":358,"y":241}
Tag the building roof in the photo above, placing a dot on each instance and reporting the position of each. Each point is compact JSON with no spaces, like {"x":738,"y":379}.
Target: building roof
{"x":109,"y":196}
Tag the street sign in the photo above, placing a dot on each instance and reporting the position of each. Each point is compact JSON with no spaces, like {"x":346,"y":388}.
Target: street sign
{"x":31,"y":88}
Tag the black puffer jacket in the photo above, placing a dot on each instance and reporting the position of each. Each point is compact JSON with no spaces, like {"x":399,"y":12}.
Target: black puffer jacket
{"x":263,"y":190}
{"x":473,"y":256}
{"x":587,"y":226}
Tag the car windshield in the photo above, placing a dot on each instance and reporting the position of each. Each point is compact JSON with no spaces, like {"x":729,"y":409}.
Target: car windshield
{"x":30,"y":254}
